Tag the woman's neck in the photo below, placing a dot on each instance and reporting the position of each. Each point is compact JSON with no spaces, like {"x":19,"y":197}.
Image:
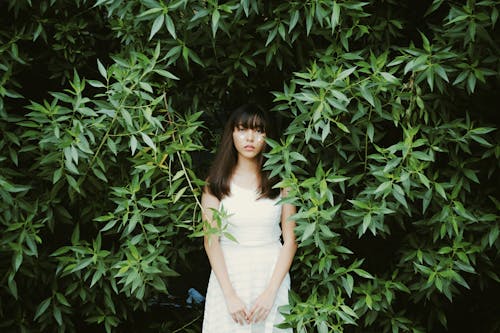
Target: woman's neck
{"x":245,"y":165}
{"x":247,"y":171}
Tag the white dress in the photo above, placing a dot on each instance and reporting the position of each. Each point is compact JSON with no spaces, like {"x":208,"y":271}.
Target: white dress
{"x":250,"y":262}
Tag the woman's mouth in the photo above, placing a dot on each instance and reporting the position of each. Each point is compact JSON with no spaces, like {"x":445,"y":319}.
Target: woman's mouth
{"x":249,"y":147}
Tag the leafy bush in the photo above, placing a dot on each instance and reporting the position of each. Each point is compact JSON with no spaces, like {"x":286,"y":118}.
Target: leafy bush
{"x":109,"y":110}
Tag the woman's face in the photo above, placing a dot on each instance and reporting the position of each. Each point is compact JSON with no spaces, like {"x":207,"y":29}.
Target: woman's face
{"x":249,"y":142}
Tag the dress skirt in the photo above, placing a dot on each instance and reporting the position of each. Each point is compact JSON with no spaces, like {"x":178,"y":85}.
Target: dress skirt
{"x":250,"y":269}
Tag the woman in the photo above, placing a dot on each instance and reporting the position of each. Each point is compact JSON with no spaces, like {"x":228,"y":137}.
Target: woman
{"x":249,"y":278}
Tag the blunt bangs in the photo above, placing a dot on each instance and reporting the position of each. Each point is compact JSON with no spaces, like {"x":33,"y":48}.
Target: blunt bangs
{"x":252,"y":119}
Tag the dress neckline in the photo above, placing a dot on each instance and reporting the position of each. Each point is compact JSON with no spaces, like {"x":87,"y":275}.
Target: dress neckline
{"x":243,"y":188}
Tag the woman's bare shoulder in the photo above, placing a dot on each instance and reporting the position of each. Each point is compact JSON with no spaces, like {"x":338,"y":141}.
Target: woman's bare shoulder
{"x":208,"y":199}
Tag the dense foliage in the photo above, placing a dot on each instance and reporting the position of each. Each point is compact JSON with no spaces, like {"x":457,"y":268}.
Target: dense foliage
{"x":109,"y":112}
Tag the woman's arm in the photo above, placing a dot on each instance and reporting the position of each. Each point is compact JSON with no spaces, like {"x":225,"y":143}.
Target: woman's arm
{"x":264,"y":302}
{"x":235,"y":306}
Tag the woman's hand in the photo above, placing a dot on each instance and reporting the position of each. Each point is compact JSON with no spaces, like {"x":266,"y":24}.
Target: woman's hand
{"x":237,"y":309}
{"x":262,"y":306}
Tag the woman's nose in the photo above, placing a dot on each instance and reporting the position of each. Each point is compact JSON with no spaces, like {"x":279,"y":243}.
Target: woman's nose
{"x":250,"y":135}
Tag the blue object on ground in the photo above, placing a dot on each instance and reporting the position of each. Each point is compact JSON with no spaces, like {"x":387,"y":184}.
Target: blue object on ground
{"x":194,"y":297}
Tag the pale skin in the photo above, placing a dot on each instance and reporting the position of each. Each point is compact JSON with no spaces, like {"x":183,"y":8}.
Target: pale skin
{"x":249,"y":144}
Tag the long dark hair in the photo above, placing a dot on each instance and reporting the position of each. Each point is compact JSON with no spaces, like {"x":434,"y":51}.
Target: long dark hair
{"x":248,"y":116}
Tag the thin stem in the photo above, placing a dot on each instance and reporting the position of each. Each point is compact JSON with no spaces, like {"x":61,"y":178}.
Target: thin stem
{"x":366,"y":141}
{"x":102,"y":143}
{"x":198,"y":203}
{"x":107,"y":135}
{"x":181,"y":329}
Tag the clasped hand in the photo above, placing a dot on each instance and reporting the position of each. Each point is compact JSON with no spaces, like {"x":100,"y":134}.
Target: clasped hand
{"x":237,"y":309}
{"x":259,"y":312}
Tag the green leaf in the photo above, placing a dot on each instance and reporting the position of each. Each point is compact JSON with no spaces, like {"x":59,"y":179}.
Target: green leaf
{"x":151,"y":228}
{"x":370,"y":131}
{"x":493,"y":235}
{"x":384,"y":187}
{"x":166,"y":74}
{"x":345,"y":73}
{"x":230,"y":237}
{"x":179,"y":194}
{"x":82,"y":264}
{"x":439,"y":189}
{"x":170,"y":26}
{"x":434,"y":6}
{"x":96,"y":277}
{"x":56,"y":311}
{"x":367,"y":219}
{"x":360,"y":204}
{"x":62,"y":299}
{"x":482,"y":130}
{"x":158,"y":22}
{"x":148,"y":141}
{"x":460,"y":209}
{"x":322,"y":327}
{"x":335,"y":19}
{"x":146,"y":86}
{"x":471,"y":175}
{"x":193,"y":56}
{"x":348,"y":284}
{"x":294,"y":18}
{"x":343,"y":249}
{"x":308,"y":231}
{"x":471,"y":82}
{"x":102,"y":69}
{"x":17,"y":259}
{"x":481,"y":140}
{"x":42,"y":307}
{"x":461,"y":77}
{"x":348,"y":311}
{"x":368,"y":301}
{"x":95,"y":84}
{"x":281,"y":31}
{"x":109,"y":225}
{"x":424,"y":180}
{"x":494,"y":16}
{"x":31,"y":245}
{"x":200,"y":14}
{"x":426,"y":200}
{"x":176,"y":4}
{"x":12,"y":285}
{"x":271,"y":36}
{"x":441,"y":72}
{"x":297,"y":156}
{"x":150,"y":11}
{"x":75,"y":235}
{"x":422,"y":156}
{"x":460,"y":280}
{"x":215,"y":22}
{"x":72,"y":183}
{"x":133,"y":144}
{"x":389,"y":77}
{"x":99,"y":174}
{"x":309,"y":22}
{"x":363,"y":273}
{"x":57,"y":175}
{"x":367,"y":94}
{"x":342,"y":127}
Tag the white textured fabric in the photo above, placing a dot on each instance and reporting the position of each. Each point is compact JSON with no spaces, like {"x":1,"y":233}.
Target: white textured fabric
{"x":250,"y":262}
